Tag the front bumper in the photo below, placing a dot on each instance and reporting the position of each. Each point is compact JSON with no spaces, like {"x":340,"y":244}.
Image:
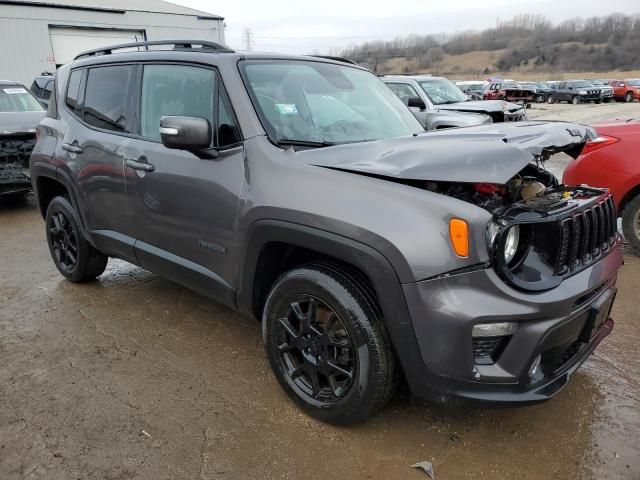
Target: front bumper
{"x":444,"y":310}
{"x":591,"y":97}
{"x":14,"y":180}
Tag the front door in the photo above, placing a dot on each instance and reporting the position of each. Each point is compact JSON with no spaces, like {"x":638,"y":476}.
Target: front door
{"x":183,"y":209}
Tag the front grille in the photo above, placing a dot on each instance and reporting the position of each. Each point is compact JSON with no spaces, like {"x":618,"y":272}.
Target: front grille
{"x":486,"y":350}
{"x":15,"y":150}
{"x":585,"y":236}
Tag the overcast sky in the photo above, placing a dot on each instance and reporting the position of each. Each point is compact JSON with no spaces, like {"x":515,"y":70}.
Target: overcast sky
{"x":301,"y":26}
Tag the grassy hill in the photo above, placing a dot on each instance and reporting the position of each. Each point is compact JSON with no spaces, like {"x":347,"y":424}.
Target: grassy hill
{"x":527,"y":46}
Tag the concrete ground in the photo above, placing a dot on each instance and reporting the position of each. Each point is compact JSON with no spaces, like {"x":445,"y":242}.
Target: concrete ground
{"x":135,"y":377}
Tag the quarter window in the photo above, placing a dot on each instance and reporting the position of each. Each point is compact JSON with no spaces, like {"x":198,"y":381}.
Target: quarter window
{"x":106,"y":104}
{"x":73,"y":91}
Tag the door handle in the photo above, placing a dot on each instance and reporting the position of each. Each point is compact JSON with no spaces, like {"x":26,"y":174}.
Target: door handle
{"x":72,"y":147}
{"x":140,"y":165}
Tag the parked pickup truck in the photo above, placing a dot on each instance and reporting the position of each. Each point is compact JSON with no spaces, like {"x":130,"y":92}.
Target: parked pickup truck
{"x":575,"y":91}
{"x":508,"y":91}
{"x":606,"y":90}
{"x":626,"y":90}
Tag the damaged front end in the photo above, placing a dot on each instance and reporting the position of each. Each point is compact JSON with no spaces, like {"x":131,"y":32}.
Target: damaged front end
{"x":15,"y":150}
{"x":541,"y":231}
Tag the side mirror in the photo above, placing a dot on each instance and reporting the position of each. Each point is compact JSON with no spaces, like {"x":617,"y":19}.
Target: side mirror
{"x":192,"y":134}
{"x":570,"y":87}
{"x":416,"y":102}
{"x":622,"y":84}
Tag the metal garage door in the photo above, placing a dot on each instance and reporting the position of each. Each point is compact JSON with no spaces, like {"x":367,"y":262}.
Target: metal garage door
{"x":69,"y":42}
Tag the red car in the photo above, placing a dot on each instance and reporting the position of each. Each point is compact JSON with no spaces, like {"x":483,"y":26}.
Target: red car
{"x":613,"y":160}
{"x":626,"y":90}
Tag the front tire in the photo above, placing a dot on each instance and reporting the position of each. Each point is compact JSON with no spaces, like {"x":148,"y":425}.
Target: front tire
{"x":327,"y":345}
{"x":628,"y":97}
{"x":73,"y":256}
{"x":575,"y":100}
{"x":631,"y":223}
{"x":550,"y":100}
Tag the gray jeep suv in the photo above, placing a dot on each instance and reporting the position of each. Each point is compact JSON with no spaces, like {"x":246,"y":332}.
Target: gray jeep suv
{"x":301,"y":191}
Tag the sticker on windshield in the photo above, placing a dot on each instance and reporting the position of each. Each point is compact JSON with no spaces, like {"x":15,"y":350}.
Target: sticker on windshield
{"x":14,"y":90}
{"x":287,"y":108}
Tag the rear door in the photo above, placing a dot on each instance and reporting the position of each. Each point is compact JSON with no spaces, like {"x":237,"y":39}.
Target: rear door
{"x":99,"y":128}
{"x":183,"y":213}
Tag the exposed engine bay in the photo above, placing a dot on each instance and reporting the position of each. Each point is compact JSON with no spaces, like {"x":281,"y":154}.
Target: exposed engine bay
{"x":529,"y":182}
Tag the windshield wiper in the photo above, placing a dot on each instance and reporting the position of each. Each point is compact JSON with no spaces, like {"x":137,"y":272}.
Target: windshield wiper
{"x":303,"y":143}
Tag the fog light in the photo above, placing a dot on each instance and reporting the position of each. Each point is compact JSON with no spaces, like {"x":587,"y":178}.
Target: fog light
{"x":494,"y":329}
{"x":535,"y":366}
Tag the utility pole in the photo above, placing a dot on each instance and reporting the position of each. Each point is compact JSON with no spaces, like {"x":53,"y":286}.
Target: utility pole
{"x":248,"y":39}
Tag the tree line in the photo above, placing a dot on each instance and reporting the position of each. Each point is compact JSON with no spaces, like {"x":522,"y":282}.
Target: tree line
{"x":530,"y":40}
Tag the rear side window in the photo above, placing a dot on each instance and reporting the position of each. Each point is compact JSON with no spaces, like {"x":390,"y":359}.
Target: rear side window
{"x":52,"y":109}
{"x":106,"y":103}
{"x":73,"y":92}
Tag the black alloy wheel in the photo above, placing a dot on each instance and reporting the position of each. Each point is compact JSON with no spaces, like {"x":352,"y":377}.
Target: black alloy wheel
{"x":75,"y":258}
{"x":316,"y":350}
{"x":63,"y":240}
{"x":327,"y":343}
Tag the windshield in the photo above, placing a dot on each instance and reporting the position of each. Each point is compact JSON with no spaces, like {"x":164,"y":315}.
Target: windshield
{"x":18,"y":99}
{"x":324,"y":103}
{"x":633,"y":83}
{"x":582,"y":84}
{"x":442,"y":91}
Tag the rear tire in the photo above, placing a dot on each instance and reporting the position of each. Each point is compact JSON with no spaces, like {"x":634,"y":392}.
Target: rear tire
{"x":575,"y":100}
{"x":327,"y":345}
{"x":73,"y":256}
{"x":631,"y":223}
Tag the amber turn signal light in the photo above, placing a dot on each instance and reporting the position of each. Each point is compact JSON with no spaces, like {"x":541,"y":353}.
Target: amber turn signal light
{"x":459,"y":234}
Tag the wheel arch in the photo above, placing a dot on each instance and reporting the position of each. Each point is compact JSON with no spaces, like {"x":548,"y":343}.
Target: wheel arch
{"x":48,"y":182}
{"x":271,"y":241}
{"x":630,"y":195}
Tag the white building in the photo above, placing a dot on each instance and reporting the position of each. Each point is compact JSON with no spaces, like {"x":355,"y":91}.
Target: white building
{"x":37,"y":36}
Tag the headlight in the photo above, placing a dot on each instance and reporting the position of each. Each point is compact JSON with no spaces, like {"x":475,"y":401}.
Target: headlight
{"x":582,"y":92}
{"x":511,"y":244}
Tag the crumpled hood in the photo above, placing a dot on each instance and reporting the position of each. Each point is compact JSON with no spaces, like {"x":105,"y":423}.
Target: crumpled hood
{"x":484,"y":154}
{"x":482,"y":106}
{"x":19,"y":122}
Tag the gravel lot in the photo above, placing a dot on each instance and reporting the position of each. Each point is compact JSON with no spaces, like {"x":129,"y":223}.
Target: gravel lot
{"x":135,"y":377}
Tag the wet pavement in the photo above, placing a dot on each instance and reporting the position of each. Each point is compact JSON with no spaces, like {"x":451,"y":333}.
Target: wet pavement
{"x":135,"y":377}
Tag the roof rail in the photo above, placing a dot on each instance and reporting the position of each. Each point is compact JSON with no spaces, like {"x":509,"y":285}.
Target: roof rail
{"x":336,"y":59}
{"x":177,"y":45}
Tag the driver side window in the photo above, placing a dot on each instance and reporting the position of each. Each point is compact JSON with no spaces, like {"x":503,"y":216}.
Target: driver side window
{"x":403,"y":91}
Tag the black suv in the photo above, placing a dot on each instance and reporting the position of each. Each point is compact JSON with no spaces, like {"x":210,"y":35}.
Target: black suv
{"x":42,"y":86}
{"x":301,"y":191}
{"x":575,"y":91}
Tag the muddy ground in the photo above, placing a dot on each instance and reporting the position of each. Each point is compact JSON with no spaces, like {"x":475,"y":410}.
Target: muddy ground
{"x":135,"y":377}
